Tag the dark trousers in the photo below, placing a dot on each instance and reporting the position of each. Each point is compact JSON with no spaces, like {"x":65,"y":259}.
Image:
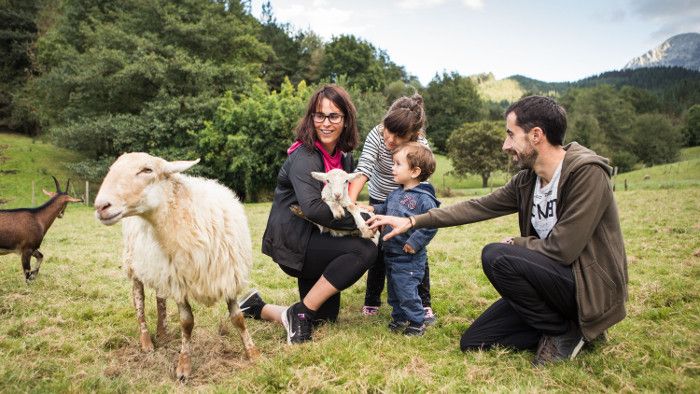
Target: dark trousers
{"x":538,"y":297}
{"x":376,"y":276}
{"x":341,"y":260}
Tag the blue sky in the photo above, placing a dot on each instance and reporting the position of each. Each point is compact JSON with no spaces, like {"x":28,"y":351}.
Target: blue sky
{"x":546,"y":40}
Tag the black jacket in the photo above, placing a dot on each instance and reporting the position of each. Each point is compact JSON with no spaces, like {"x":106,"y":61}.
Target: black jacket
{"x":286,"y":235}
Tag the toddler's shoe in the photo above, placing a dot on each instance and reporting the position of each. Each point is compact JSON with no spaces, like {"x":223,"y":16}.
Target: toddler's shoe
{"x":368,"y":310}
{"x":414,"y":330}
{"x":430,"y":317}
{"x":396,"y":326}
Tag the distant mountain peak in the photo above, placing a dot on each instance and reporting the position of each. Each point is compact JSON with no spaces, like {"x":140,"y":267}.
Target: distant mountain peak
{"x":682,"y":50}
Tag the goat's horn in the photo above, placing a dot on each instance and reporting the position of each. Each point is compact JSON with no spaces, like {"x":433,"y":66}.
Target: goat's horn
{"x":58,"y":187}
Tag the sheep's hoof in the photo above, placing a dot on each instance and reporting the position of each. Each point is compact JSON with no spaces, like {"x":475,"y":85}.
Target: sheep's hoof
{"x":184,"y":367}
{"x":253,"y":354}
{"x":31,"y":275}
{"x":146,"y":343}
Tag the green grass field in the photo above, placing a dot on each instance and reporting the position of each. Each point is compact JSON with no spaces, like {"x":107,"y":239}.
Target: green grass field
{"x":74,"y":330}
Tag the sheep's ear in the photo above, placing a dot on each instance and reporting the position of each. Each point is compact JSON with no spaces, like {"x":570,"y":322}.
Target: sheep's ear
{"x":50,"y":194}
{"x":321,"y":176}
{"x":172,"y":167}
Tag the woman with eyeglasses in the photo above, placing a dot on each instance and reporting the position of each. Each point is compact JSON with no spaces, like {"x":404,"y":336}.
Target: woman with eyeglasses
{"x":323,"y":265}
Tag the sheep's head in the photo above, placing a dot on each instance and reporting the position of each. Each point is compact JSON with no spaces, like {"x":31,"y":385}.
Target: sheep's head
{"x":336,"y":188}
{"x":133,"y":185}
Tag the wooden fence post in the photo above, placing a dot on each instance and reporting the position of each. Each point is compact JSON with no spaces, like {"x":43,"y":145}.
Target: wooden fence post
{"x":87,"y":193}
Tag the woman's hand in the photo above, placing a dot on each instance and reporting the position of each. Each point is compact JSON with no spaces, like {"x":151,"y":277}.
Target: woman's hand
{"x":399,"y":224}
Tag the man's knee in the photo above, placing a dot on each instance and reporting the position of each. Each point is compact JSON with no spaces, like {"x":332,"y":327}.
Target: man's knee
{"x":491,"y":254}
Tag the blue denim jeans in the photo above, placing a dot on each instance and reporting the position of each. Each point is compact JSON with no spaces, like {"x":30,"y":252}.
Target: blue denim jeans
{"x":404,"y":273}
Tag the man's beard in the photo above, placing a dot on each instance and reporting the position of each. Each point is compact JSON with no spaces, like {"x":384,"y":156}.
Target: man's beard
{"x":526,"y":160}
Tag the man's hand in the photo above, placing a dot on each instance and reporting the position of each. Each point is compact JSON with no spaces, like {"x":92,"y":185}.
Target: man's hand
{"x":408,"y":249}
{"x":399,"y":224}
{"x":507,"y":240}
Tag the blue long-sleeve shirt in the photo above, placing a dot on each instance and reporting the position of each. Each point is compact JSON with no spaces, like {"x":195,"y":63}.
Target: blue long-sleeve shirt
{"x":407,"y":203}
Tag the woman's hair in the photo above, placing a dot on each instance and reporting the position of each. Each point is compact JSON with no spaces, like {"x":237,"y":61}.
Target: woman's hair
{"x":406,"y":117}
{"x":349,"y":136}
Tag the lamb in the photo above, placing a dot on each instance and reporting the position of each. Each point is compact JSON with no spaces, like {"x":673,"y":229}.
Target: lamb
{"x":335,"y":194}
{"x":185,"y":237}
{"x":22,"y":230}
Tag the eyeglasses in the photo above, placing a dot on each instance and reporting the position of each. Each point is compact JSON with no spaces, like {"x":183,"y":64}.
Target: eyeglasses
{"x":320,"y":117}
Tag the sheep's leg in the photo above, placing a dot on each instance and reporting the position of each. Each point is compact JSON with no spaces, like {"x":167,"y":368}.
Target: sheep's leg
{"x":39,"y":258}
{"x":239,"y":322}
{"x":361,"y":225}
{"x":184,"y":364}
{"x":145,"y":336}
{"x":161,"y":329}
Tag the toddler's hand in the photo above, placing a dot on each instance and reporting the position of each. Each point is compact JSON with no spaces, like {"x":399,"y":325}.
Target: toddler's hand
{"x":408,"y":249}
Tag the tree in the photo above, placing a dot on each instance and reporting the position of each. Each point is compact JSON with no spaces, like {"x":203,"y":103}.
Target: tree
{"x":246,"y":143}
{"x":138,"y":75}
{"x":18,"y":32}
{"x":475,"y":148}
{"x":692,"y":126}
{"x":364,"y":66}
{"x":451,"y":100}
{"x":656,"y":141}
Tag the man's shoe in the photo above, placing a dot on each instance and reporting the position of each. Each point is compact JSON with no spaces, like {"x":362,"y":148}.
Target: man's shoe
{"x":414,"y":331}
{"x":396,"y":326}
{"x":252,"y":305}
{"x":430,"y":317}
{"x":597,"y":341}
{"x":298,"y":325}
{"x":557,"y":348}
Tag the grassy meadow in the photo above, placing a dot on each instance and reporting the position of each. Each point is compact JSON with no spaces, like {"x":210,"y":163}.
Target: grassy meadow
{"x":74,"y":329}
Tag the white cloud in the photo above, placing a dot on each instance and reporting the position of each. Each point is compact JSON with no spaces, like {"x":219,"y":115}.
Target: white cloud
{"x":418,"y":4}
{"x":324,"y":20}
{"x":473,"y":4}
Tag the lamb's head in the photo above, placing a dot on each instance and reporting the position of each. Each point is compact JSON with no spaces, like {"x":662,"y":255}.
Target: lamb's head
{"x":336,"y":188}
{"x":134,"y":185}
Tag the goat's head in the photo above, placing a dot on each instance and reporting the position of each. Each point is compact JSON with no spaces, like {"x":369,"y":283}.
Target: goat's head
{"x":336,"y":183}
{"x":134,"y":185}
{"x":61,"y":195}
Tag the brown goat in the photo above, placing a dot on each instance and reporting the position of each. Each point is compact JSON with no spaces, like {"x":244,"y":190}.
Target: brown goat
{"x":22,"y":230}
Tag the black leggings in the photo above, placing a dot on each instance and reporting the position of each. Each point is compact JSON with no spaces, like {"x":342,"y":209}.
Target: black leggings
{"x":538,"y":297}
{"x":341,"y":260}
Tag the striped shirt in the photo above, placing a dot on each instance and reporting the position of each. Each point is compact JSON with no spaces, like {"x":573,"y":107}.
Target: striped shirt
{"x":375,"y":163}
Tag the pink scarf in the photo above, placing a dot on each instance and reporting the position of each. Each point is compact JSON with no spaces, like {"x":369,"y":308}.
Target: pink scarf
{"x":329,"y":162}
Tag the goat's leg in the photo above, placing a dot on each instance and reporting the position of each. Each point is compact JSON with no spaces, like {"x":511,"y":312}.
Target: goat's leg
{"x":239,"y":322}
{"x":161,"y":329}
{"x":39,"y":258}
{"x":361,"y":225}
{"x":26,"y":264}
{"x":145,"y":336}
{"x":184,"y":364}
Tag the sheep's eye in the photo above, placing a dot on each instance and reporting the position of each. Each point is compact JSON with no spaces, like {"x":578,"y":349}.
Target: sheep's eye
{"x":145,"y":171}
{"x":346,"y":181}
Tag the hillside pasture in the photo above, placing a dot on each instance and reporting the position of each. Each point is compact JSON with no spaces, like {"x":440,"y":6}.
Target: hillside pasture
{"x":74,"y":328}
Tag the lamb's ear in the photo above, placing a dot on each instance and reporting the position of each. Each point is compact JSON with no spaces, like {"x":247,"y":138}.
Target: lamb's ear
{"x":172,"y":167}
{"x":321,"y":176}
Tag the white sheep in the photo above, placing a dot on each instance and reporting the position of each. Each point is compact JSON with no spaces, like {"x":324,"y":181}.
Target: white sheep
{"x":185,"y":237}
{"x":335,"y":194}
